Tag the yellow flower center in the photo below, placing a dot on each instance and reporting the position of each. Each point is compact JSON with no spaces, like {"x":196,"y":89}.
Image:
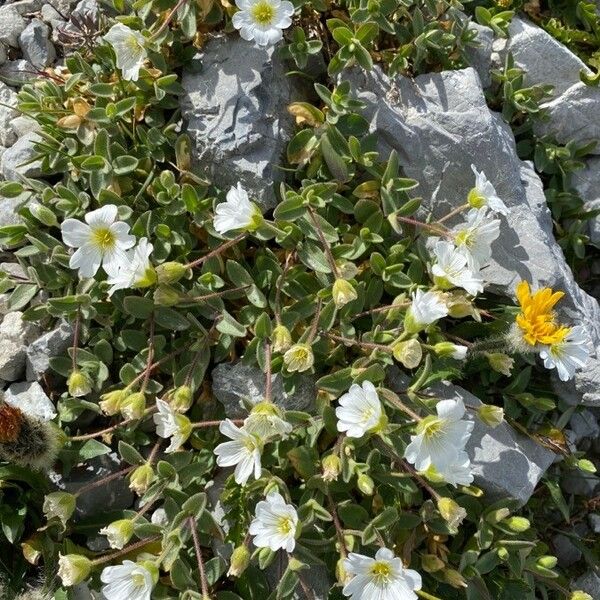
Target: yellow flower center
{"x":133,"y":44}
{"x":465,"y":238}
{"x":381,"y":572}
{"x":536,"y":319}
{"x":263,"y":13}
{"x":476,"y":199}
{"x":284,"y":525}
{"x":430,"y":427}
{"x":138,"y":580}
{"x":104,"y":238}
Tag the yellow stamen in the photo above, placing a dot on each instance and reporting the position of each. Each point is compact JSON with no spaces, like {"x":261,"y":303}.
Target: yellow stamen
{"x":381,"y":571}
{"x":284,"y":525}
{"x":104,"y":238}
{"x":263,"y":13}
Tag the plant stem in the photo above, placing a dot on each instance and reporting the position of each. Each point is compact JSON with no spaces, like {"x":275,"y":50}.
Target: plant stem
{"x":202,"y":424}
{"x":198,"y":550}
{"x":76,"y":339}
{"x":338,"y":526}
{"x":441,"y":231}
{"x":102,"y":481}
{"x":104,"y":559}
{"x":150,"y":355}
{"x":367,"y":345}
{"x":454,"y":212}
{"x":168,"y":18}
{"x":216,"y":251}
{"x":269,"y":376}
{"x":215,"y":294}
{"x":383,"y":308}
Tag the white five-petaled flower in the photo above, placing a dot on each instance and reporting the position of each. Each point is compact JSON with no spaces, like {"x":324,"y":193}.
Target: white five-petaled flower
{"x":129,"y":46}
{"x":263,"y":20}
{"x":243,"y":451}
{"x":128,"y":581}
{"x":484,"y":194}
{"x":454,"y":267}
{"x":426,"y":308}
{"x":456,"y":473}
{"x":101,"y":240}
{"x":135,"y":270}
{"x":569,"y":354}
{"x":477,"y":235}
{"x":440,"y":439}
{"x":360,"y":410}
{"x":381,"y":578}
{"x":266,"y":421}
{"x":171,"y":424}
{"x":237,"y":212}
{"x":275,"y":523}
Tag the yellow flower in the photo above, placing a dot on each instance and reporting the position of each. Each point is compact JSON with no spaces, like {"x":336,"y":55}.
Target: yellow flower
{"x":536,"y":319}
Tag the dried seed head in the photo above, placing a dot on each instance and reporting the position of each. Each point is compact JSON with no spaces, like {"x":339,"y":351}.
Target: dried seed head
{"x":11,"y":421}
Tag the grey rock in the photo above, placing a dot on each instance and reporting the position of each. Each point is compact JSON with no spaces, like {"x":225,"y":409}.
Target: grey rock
{"x":585,"y":182}
{"x":17,"y":72}
{"x":8,"y":207}
{"x":11,"y":26}
{"x":23,"y":125}
{"x":573,"y":110}
{"x":505,"y":463}
{"x":114,"y":495}
{"x":237,"y":383}
{"x":36,"y":45}
{"x":17,"y":162}
{"x":480,"y":56}
{"x":31,"y":399}
{"x":584,"y":425}
{"x":594,"y":522}
{"x":26,"y":7}
{"x":589,"y":582}
{"x":564,"y":549}
{"x":62,"y":6}
{"x":12,"y":359}
{"x":7,"y":114}
{"x":236,"y":115}
{"x":51,"y":344}
{"x":580,"y":483}
{"x":3,"y":53}
{"x":440,"y":124}
{"x":50,"y":15}
{"x":13,"y":327}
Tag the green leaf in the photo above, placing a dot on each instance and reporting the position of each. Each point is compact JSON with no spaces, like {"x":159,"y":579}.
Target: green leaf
{"x":138,"y":307}
{"x":170,"y":319}
{"x":229,"y":326}
{"x":129,"y":454}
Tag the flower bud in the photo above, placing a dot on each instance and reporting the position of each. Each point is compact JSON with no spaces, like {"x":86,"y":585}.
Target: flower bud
{"x":133,"y":406}
{"x":497,"y":515}
{"x":455,"y":351}
{"x":410,"y":324}
{"x":503,"y":553}
{"x":150,"y":566}
{"x":365,"y":484}
{"x":500,"y":362}
{"x":165,"y":295}
{"x":491,"y":415}
{"x":181,"y":399}
{"x":79,"y":384}
{"x":459,"y":306}
{"x":60,"y":505}
{"x":118,"y":533}
{"x":518,"y":524}
{"x":548,"y":562}
{"x":431,"y":563}
{"x":579,"y":595}
{"x":141,"y":478}
{"x":408,"y":353}
{"x":452,"y":513}
{"x":281,"y":338}
{"x":240,"y":559}
{"x":331,"y":465}
{"x":343,"y":292}
{"x":170,"y":272}
{"x":111,"y":401}
{"x":299,"y":358}
{"x":73,"y":568}
{"x":454,"y":578}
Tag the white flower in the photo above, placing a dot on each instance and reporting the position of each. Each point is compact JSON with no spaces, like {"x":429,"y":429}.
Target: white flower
{"x":453,"y":267}
{"x":381,"y":578}
{"x":265,"y":421}
{"x":274,"y":525}
{"x":458,"y":472}
{"x":129,"y":46}
{"x":243,"y":451}
{"x":459,"y":352}
{"x":159,"y":517}
{"x":135,"y":270}
{"x":477,"y":235}
{"x":484,"y":194}
{"x":237,"y":212}
{"x":263,"y":20}
{"x":440,"y":439}
{"x":118,"y":533}
{"x":170,"y":424}
{"x":569,"y":354}
{"x":101,"y":240}
{"x":360,"y":410}
{"x":426,"y":308}
{"x":129,"y":581}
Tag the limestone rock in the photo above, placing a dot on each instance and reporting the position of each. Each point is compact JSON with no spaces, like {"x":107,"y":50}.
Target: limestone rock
{"x":235,"y":108}
{"x":237,"y":382}
{"x":53,"y":343}
{"x":15,"y":162}
{"x":505,"y":463}
{"x":13,"y":327}
{"x":440,"y":125}
{"x":31,"y":399}
{"x":585,"y":182}
{"x":584,"y":424}
{"x":12,"y":359}
{"x":26,"y":7}
{"x":36,"y":45}
{"x":17,"y":72}
{"x":7,"y":114}
{"x":589,"y":582}
{"x":11,"y":25}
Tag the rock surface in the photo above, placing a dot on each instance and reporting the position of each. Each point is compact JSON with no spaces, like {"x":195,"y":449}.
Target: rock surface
{"x":53,"y":343}
{"x":17,"y":162}
{"x":235,"y":383}
{"x":31,"y":399}
{"x":505,"y":463}
{"x":36,"y":45}
{"x":590,"y":583}
{"x":440,"y":125}
{"x":235,"y":109}
{"x":11,"y":25}
{"x":585,"y":183}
